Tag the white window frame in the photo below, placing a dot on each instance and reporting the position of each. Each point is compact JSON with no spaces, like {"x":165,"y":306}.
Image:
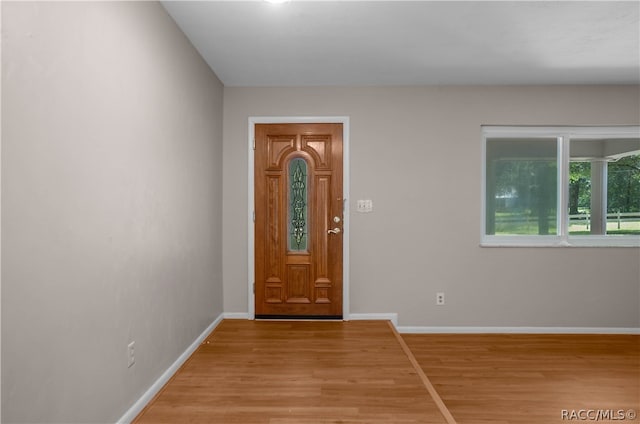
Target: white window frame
{"x":562,"y":237}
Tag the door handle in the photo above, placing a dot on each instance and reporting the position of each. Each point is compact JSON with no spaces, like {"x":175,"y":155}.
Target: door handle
{"x":334,"y":231}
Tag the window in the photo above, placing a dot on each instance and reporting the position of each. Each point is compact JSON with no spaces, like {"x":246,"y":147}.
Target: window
{"x":561,"y":186}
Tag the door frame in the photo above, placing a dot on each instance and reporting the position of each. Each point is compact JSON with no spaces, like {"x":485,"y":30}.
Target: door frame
{"x":253,"y":120}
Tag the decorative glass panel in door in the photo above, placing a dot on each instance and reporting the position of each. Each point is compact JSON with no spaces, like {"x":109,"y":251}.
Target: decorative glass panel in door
{"x":298,"y":201}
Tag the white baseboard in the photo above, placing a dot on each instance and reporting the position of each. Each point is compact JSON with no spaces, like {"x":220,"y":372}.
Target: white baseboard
{"x":384,"y":317}
{"x":518,"y":330}
{"x":139,"y":405}
{"x":235,"y":315}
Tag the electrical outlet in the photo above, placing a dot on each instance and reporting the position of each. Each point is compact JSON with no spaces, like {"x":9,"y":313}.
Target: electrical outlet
{"x":131,"y":358}
{"x":439,"y":298}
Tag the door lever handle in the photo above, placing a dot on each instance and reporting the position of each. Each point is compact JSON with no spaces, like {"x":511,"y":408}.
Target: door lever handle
{"x":334,"y":231}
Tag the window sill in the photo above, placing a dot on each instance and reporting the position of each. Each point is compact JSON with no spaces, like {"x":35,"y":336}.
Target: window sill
{"x":557,"y":241}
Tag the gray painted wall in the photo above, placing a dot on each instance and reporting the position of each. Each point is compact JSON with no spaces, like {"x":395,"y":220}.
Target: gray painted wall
{"x":415,"y":151}
{"x":111,"y":205}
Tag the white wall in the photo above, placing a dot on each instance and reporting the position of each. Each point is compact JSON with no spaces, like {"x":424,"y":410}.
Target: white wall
{"x":111,"y":205}
{"x":415,"y":151}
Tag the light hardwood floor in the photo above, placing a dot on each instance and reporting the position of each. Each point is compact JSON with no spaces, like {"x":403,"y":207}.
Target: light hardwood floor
{"x":531,"y":378}
{"x":296,"y":373}
{"x":357,"y":372}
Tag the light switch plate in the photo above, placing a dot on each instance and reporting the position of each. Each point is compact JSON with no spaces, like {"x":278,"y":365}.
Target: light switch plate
{"x":364,"y":206}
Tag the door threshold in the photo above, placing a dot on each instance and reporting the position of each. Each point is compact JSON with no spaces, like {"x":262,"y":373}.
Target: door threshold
{"x":300,"y":317}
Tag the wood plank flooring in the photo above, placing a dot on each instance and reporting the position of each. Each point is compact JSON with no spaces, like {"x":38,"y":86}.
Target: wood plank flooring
{"x":357,"y":372}
{"x":519,"y":379}
{"x":296,"y":373}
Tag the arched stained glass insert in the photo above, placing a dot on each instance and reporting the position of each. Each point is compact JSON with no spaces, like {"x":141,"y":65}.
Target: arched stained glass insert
{"x":298,"y":200}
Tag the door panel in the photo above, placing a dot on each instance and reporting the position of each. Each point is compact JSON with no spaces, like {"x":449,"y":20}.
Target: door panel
{"x":298,"y":199}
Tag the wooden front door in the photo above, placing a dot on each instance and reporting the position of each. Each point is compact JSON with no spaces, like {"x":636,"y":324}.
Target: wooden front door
{"x":298,"y":220}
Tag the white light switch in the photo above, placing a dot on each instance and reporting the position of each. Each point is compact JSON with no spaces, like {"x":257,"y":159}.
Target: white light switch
{"x":364,"y":206}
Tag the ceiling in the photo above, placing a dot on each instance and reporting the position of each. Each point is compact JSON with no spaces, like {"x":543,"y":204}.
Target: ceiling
{"x":254,"y":43}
